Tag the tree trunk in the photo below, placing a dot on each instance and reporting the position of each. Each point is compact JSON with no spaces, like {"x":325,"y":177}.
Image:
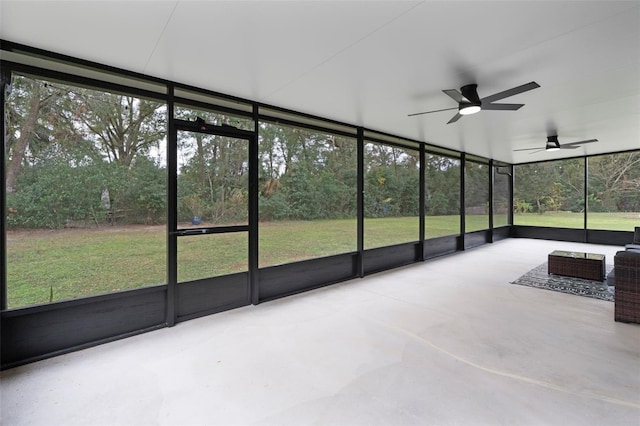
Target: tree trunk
{"x":202,"y":173}
{"x":19,"y":149}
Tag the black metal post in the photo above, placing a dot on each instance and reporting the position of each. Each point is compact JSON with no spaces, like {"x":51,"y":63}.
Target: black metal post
{"x":586,"y":198}
{"x":5,"y":82}
{"x":254,"y":290}
{"x":491,"y":183}
{"x":511,"y":203}
{"x":463,"y":165}
{"x":172,"y":211}
{"x":421,"y":202}
{"x":360,"y":203}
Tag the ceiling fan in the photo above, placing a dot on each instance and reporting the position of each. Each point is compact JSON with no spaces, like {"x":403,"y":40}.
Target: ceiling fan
{"x":554,"y":145}
{"x":469,"y":102}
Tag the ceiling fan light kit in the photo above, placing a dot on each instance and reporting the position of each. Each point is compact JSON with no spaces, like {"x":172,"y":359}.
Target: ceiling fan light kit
{"x":468,"y":109}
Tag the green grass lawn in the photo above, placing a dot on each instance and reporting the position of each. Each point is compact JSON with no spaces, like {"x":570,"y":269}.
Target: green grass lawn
{"x":44,"y":265}
{"x":608,"y":221}
{"x":76,"y":263}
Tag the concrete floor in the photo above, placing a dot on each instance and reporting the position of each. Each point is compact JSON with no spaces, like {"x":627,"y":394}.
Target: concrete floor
{"x":448,"y":341}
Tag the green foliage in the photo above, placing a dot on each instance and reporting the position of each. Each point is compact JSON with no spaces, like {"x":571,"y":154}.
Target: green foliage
{"x":437,"y":204}
{"x":551,"y":186}
{"x":476,"y":186}
{"x":55,"y":195}
{"x":213,"y":178}
{"x":306,"y":175}
{"x":141,"y":192}
{"x":521,"y":206}
{"x":274,"y":207}
{"x":392,"y":182}
{"x":595,"y":204}
{"x":79,"y":157}
{"x":442,"y":192}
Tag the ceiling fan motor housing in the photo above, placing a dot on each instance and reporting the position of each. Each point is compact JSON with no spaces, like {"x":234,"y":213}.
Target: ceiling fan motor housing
{"x":552,"y":143}
{"x":473,"y":103}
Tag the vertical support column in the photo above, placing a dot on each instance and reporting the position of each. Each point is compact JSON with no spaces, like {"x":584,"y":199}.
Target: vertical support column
{"x":360,"y":203}
{"x":4,"y":84}
{"x":172,"y":213}
{"x":463,"y":161}
{"x":254,"y":292}
{"x":586,"y":198}
{"x":511,"y":186}
{"x":421,"y":202}
{"x":491,"y":183}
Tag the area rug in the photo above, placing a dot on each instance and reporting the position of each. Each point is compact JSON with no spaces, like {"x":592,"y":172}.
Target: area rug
{"x":539,"y":278}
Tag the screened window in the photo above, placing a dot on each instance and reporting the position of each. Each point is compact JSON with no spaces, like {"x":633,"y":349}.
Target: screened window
{"x":307,"y":194}
{"x":213,"y":180}
{"x":442,"y":196}
{"x":550,"y":194}
{"x":391,"y":195}
{"x":476,"y":187}
{"x":501,"y":195}
{"x":614,"y":192}
{"x":86,"y":192}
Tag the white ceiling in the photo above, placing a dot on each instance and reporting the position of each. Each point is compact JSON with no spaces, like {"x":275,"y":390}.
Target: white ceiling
{"x":370,"y":63}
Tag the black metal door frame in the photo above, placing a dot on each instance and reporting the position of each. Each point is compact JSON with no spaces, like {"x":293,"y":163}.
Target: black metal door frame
{"x":173,"y":233}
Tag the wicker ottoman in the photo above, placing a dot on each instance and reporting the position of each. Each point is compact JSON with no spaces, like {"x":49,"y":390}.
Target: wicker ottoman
{"x":589,"y":266}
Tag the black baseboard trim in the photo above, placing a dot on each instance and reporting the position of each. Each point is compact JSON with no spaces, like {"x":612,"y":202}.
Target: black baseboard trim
{"x":76,"y":348}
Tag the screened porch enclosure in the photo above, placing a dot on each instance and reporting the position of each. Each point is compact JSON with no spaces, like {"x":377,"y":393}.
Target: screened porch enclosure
{"x":133,"y":203}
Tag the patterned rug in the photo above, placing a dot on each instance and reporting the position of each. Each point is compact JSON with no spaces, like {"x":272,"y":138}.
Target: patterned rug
{"x":538,"y":277}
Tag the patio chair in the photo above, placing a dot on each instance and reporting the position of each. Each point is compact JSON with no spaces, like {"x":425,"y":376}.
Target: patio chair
{"x":627,"y":281}
{"x":636,"y":240}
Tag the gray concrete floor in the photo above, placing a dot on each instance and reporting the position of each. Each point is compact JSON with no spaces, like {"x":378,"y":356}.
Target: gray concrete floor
{"x":448,"y":341}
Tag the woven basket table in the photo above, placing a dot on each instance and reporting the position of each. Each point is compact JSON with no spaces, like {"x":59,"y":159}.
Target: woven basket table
{"x":590,"y":266}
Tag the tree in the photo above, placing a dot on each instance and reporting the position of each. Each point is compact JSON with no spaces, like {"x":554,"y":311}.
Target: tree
{"x":550,"y":185}
{"x":68,"y":146}
{"x":476,"y":187}
{"x":306,"y":174}
{"x":119,"y":126}
{"x":27,"y":120}
{"x":213,"y":176}
{"x":391,"y":181}
{"x":442,"y":185}
{"x":614,"y":182}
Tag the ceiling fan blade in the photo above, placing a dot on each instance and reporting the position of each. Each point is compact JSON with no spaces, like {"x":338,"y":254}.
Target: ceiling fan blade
{"x":511,"y":92}
{"x":578,"y":143}
{"x":455,"y":95}
{"x":502,"y":107}
{"x":568,"y":147}
{"x":429,"y":112}
{"x":526,"y":149}
{"x":454,"y":118}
